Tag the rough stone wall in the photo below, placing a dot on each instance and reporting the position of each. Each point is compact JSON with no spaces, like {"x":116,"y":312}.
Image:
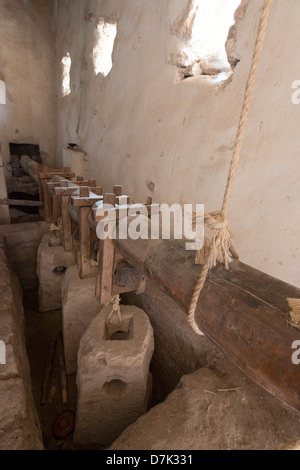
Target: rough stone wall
{"x":141,"y":128}
{"x":19,"y":424}
{"x":27,"y":59}
{"x":22,"y":242}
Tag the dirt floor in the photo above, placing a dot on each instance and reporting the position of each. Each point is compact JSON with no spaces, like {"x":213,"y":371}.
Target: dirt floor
{"x":40,"y":329}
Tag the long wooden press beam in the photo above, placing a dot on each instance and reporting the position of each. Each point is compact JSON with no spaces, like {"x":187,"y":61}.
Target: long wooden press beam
{"x":242,"y":310}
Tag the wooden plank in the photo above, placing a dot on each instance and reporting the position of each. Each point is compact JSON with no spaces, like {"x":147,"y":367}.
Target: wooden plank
{"x":21,"y":202}
{"x":49,"y":175}
{"x":89,"y":183}
{"x":59,"y":191}
{"x":243,"y":311}
{"x":78,"y":201}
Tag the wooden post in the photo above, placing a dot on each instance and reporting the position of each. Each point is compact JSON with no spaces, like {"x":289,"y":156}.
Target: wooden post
{"x":84,"y":230}
{"x":63,"y":194}
{"x":47,"y":200}
{"x":84,"y":201}
{"x":4,"y":209}
{"x":56,"y":211}
{"x":106,"y":259}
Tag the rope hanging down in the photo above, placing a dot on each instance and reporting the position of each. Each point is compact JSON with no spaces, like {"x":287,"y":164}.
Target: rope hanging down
{"x":221,"y":248}
{"x":115,"y":310}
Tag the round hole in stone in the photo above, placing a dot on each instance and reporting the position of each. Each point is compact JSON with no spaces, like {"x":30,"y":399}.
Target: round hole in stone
{"x":59,"y":270}
{"x":115,"y":388}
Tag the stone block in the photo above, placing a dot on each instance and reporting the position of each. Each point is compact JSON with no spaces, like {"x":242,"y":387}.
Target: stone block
{"x":52,"y":264}
{"x":18,"y":428}
{"x":113,"y":376}
{"x":79,"y":307}
{"x":19,"y":424}
{"x":207,"y":411}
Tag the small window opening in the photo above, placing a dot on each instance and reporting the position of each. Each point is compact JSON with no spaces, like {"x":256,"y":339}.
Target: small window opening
{"x":103,"y":49}
{"x":2,"y":92}
{"x":204,"y":31}
{"x":66,"y":70}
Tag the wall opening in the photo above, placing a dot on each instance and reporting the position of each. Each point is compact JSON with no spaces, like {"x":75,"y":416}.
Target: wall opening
{"x":103,"y":49}
{"x":2,"y":92}
{"x":204,"y":30}
{"x":66,"y":71}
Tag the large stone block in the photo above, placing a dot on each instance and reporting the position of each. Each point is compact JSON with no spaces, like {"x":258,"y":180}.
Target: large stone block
{"x":19,"y":424}
{"x":22,"y":243}
{"x":113,"y":376}
{"x":79,"y":306}
{"x":208,"y":411}
{"x":19,"y":428}
{"x":52,"y":264}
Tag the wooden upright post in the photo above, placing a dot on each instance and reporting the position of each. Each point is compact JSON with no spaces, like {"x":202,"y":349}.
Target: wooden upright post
{"x":4,"y":209}
{"x":106,"y":259}
{"x":63,"y":193}
{"x":84,"y":201}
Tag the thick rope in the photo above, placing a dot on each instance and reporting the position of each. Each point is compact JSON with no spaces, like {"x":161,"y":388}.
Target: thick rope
{"x":221,"y":249}
{"x":115,"y":310}
{"x":58,"y":227}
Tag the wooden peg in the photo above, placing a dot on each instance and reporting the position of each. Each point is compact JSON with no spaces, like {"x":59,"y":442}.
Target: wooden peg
{"x":110,"y":198}
{"x":98,"y":191}
{"x":92,"y":183}
{"x":84,"y":191}
{"x":118,"y":190}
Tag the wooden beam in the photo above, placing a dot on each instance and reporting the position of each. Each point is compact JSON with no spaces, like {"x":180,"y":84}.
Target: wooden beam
{"x":21,"y":202}
{"x":48,"y":175}
{"x":64,"y":191}
{"x":242,"y":310}
{"x":83,"y":201}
